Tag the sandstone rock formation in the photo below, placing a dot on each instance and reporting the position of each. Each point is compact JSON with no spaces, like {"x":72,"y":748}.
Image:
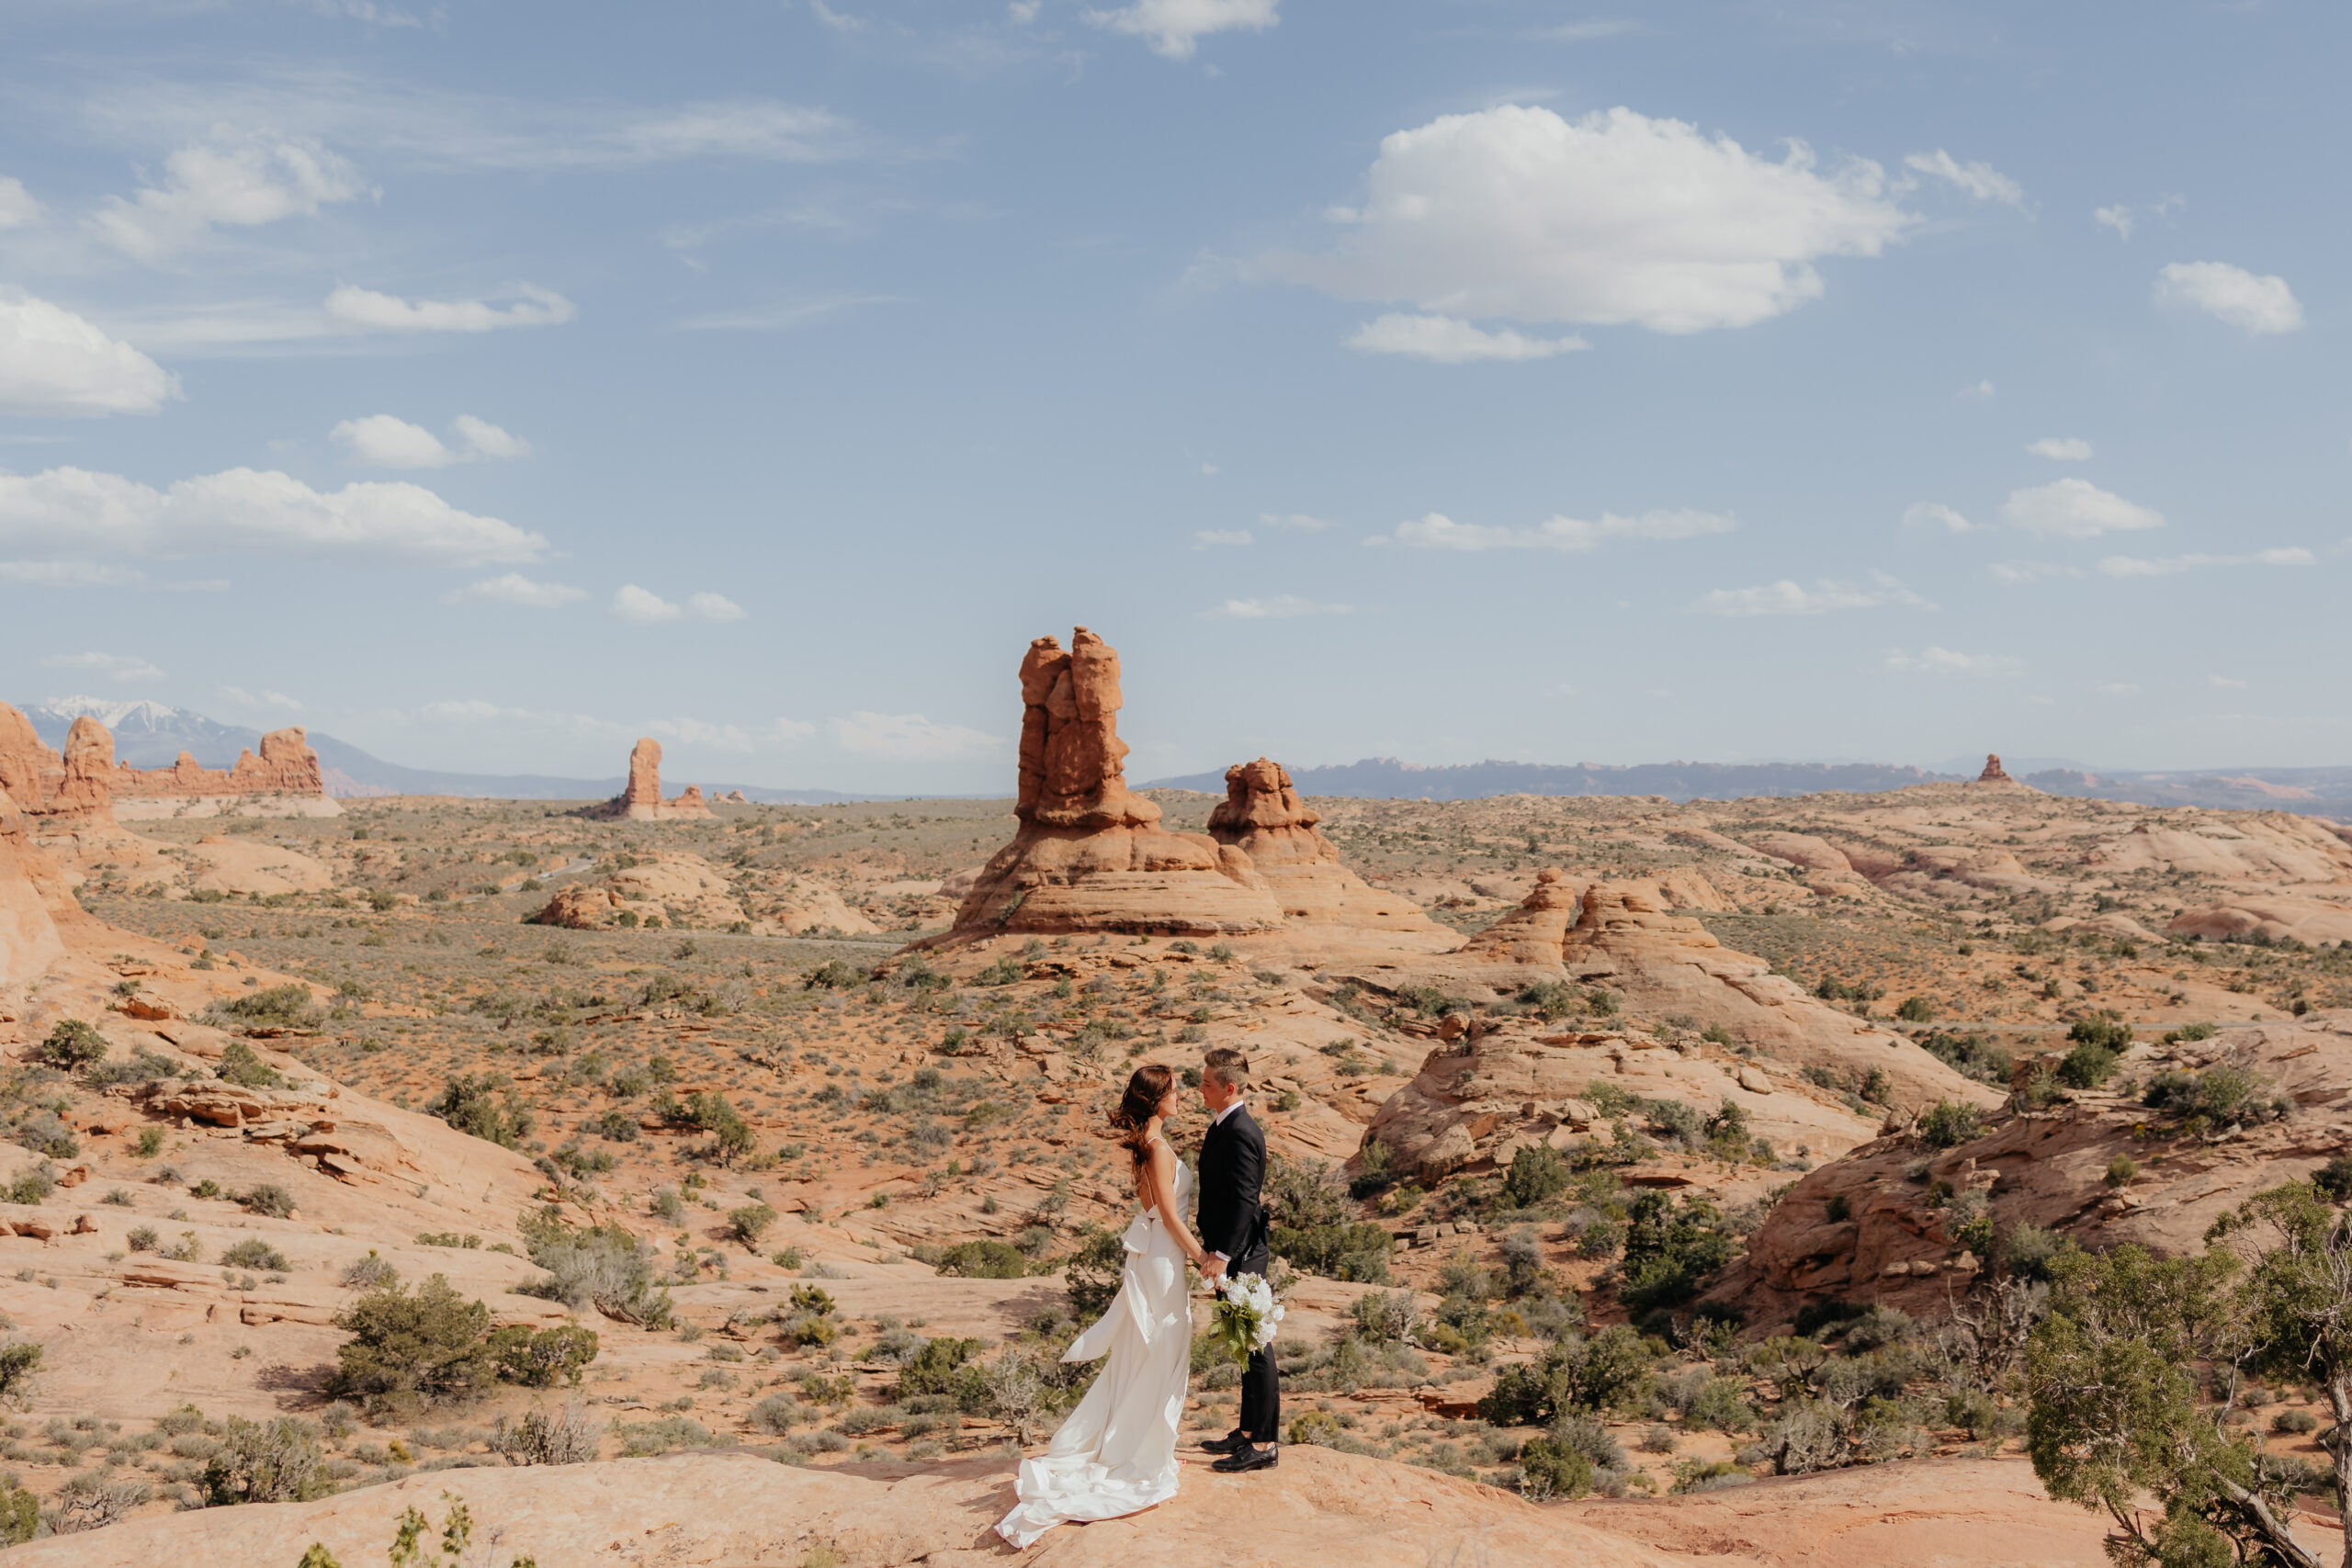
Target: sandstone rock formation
{"x":1476,"y":1103}
{"x":641,"y":799}
{"x":1663,"y":964}
{"x":1262,"y":816}
{"x":1895,"y":1237}
{"x":1090,"y":854}
{"x":1993,"y":772}
{"x":29,"y":942}
{"x":86,"y":785}
{"x":1321,"y":1505}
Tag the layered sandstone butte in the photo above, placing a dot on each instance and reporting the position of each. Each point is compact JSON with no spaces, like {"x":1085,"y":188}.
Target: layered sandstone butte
{"x":641,"y":800}
{"x":1667,"y":966}
{"x":1262,"y":816}
{"x":86,"y":785}
{"x":1090,"y":854}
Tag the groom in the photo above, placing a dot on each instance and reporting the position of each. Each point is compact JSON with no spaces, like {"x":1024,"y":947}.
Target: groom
{"x":1233,"y":1227}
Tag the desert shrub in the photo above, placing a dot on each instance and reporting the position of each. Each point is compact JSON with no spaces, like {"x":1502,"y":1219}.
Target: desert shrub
{"x":255,"y":1253}
{"x":92,"y":1502}
{"x":2333,"y":1179}
{"x":984,"y":1261}
{"x":19,"y":1363}
{"x":1549,"y":1468}
{"x":140,"y":1066}
{"x":1973,"y":1054}
{"x":646,"y":1439}
{"x":544,"y":1357}
{"x":1915,"y":1009}
{"x":1537,"y":1173}
{"x":2215,"y":1098}
{"x":72,"y":1045}
{"x":1669,"y":1250}
{"x":2087,"y":1066}
{"x":282,"y":1006}
{"x":750,"y":1223}
{"x":239,"y":1065}
{"x":603,"y":1267}
{"x":1949,"y":1124}
{"x":474,"y":1104}
{"x":777,"y":1415}
{"x":1329,"y":1250}
{"x":2102,"y":1029}
{"x":1523,"y":1261}
{"x":1555,"y":1000}
{"x":281,"y":1461}
{"x":1091,"y":1275}
{"x":20,"y":1513}
{"x":1387,"y":1317}
{"x":267,"y":1198}
{"x":710,"y":1110}
{"x":431,"y":1346}
{"x":567,"y":1436}
{"x":33,"y":1186}
{"x":947,"y":1367}
{"x":1304,"y":1193}
{"x":1611,"y":1370}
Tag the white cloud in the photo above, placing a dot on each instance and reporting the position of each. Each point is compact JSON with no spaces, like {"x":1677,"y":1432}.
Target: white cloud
{"x":1298,"y":521}
{"x":2075,"y":509}
{"x":1280,"y":607}
{"x":840,"y":22}
{"x":487,"y":440}
{"x":470,"y":710}
{"x":69,"y":574}
{"x":1450,"y":342}
{"x":263,"y":699}
{"x":371,"y":312}
{"x":910,"y":738}
{"x":2118,"y":218}
{"x":641,"y":607}
{"x":1944,"y":661}
{"x":1981,"y":182}
{"x":18,"y":208}
{"x":1574,"y":535}
{"x":514,"y":588}
{"x":2226,"y":682}
{"x":389,"y":442}
{"x":115,"y":666}
{"x":2032,"y":570}
{"x":2065,"y":448}
{"x":1585,"y":32}
{"x":1788,"y":598}
{"x":232,"y":183}
{"x":2118,"y":689}
{"x":76,"y":512}
{"x":2232,"y":294}
{"x":1174,"y":28}
{"x":1204,"y":538}
{"x":2168,"y":565}
{"x":1516,"y":212}
{"x":1935,"y":515}
{"x":1976,"y":392}
{"x":52,"y":362}
{"x":1023,"y":11}
{"x":700,"y":732}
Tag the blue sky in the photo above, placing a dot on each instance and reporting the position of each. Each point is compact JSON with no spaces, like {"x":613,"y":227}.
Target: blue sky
{"x":488,"y":385}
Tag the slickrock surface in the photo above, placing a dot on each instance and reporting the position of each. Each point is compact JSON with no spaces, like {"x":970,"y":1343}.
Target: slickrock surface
{"x":1262,"y":816}
{"x":1873,"y":1226}
{"x":1090,"y":854}
{"x":1318,"y":1507}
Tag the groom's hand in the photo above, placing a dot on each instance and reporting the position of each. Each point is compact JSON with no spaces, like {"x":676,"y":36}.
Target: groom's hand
{"x":1213,"y":1268}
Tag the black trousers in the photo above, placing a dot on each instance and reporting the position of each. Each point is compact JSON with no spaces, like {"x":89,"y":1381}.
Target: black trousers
{"x":1261,"y":1383}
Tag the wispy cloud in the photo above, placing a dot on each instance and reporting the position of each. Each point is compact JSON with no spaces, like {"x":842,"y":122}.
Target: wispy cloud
{"x":642,"y":607}
{"x":369,"y":310}
{"x":385,"y":440}
{"x":1450,"y":342}
{"x":2064,"y":448}
{"x":514,"y":588}
{"x":1788,"y":597}
{"x":1945,"y":661}
{"x":262,"y":699}
{"x":1571,"y":534}
{"x":114,"y":666}
{"x":2258,"y":305}
{"x":911,"y":737}
{"x":1980,"y":182}
{"x":1210,"y":538}
{"x":1931,"y":514}
{"x":2167,"y":566}
{"x":1297,"y":521}
{"x":2075,"y":509}
{"x":1279,"y":607}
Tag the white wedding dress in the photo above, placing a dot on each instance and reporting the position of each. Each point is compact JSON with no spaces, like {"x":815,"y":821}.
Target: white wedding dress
{"x":1116,"y":1453}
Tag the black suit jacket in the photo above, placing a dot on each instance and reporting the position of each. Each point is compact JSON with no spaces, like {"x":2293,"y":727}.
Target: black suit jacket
{"x":1233,"y":1172}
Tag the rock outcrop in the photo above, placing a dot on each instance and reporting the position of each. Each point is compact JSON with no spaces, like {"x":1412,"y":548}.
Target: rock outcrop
{"x":1476,"y":1101}
{"x":86,"y":785}
{"x":2277,"y":918}
{"x":1993,"y":772}
{"x":29,"y":942}
{"x":1262,"y":816}
{"x":1662,"y":964}
{"x":1891,"y":1220}
{"x":641,"y":800}
{"x":1090,"y":854}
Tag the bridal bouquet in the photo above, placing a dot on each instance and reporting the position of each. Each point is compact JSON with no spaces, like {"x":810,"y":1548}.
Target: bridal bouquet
{"x":1247,"y":1314}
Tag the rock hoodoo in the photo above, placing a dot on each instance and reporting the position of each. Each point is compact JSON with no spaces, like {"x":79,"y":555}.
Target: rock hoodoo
{"x":641,"y":800}
{"x":1090,"y":854}
{"x":1262,"y":816}
{"x":1993,"y":772}
{"x":1625,"y":939}
{"x":86,"y":785}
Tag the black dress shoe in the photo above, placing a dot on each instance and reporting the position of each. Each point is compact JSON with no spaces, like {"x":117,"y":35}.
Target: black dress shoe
{"x":1225,"y":1445}
{"x":1247,"y":1458}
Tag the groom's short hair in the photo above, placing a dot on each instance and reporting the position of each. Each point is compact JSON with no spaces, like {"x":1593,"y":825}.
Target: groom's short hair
{"x":1227,"y":1066}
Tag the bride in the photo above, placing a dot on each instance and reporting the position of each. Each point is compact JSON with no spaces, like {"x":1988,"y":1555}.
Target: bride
{"x":1116,"y":1453}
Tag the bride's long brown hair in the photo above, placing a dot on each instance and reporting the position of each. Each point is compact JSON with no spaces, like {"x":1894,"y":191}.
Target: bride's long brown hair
{"x":1146,"y":1090}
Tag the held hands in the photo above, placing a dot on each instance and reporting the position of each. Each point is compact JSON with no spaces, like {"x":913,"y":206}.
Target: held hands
{"x":1211,"y":1270}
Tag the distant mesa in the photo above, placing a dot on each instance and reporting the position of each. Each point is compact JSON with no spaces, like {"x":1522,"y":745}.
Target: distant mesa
{"x":641,"y":800}
{"x":1262,"y":816}
{"x":1090,"y":854}
{"x":84,"y":785}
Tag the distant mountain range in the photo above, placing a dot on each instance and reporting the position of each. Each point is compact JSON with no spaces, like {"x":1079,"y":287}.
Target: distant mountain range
{"x":2323,"y":791}
{"x":150,"y":735}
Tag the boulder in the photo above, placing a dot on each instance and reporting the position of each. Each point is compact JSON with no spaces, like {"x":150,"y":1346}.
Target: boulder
{"x":1262,"y":816}
{"x":1090,"y":854}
